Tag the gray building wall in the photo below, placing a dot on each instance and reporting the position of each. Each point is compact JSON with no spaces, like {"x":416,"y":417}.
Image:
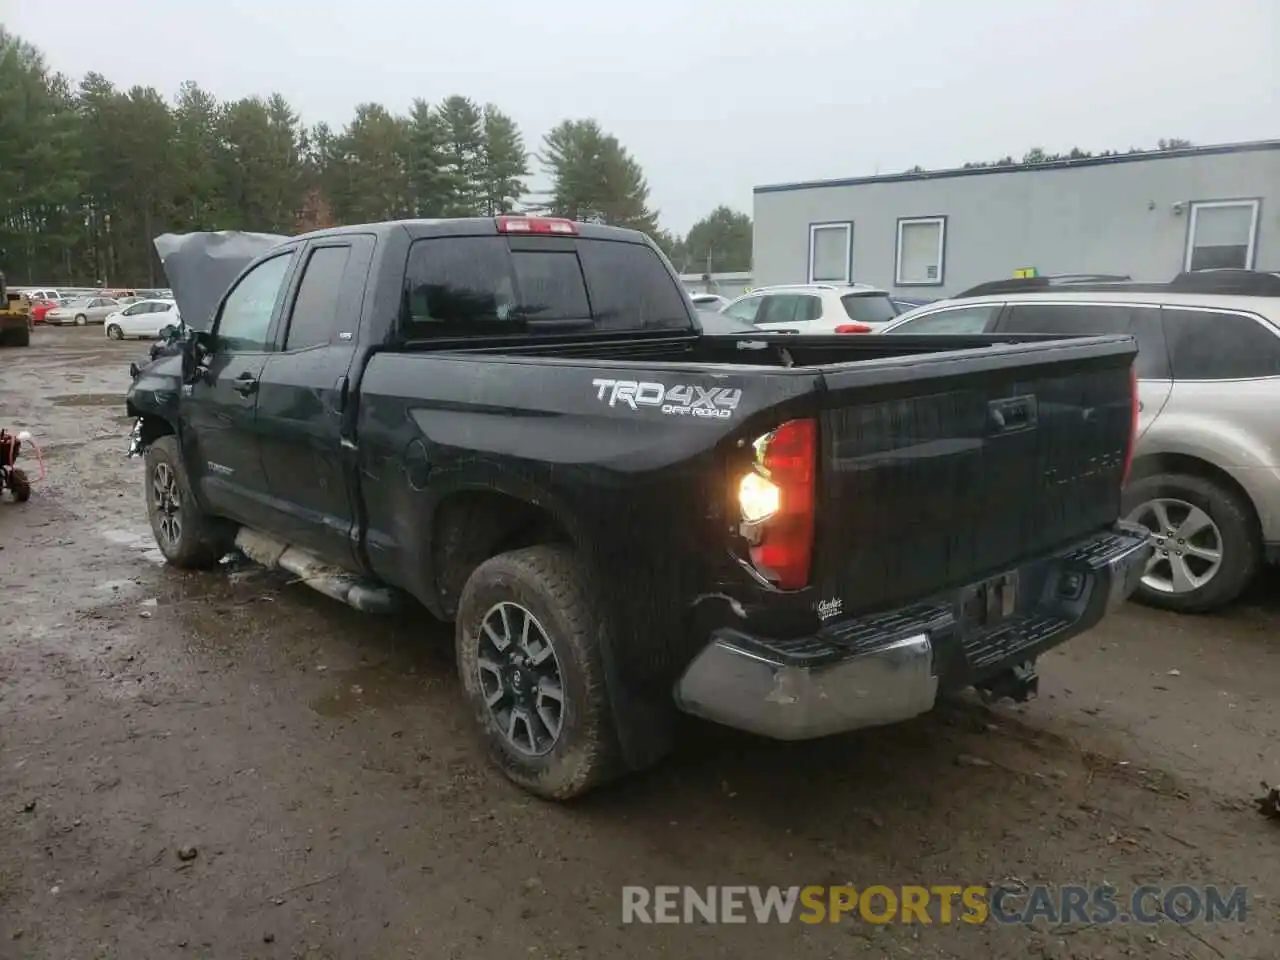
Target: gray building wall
{"x":1115,"y":215}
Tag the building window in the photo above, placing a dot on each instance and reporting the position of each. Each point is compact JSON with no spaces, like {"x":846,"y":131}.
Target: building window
{"x":830,"y":252}
{"x":1222,"y":233}
{"x":921,"y":244}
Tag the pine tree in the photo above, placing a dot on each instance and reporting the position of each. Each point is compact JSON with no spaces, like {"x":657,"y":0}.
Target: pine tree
{"x":504,"y":163}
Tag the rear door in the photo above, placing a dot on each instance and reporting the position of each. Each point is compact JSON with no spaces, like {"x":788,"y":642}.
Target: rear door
{"x":1139,"y":320}
{"x":304,"y":394}
{"x":964,"y":464}
{"x":788,"y":312}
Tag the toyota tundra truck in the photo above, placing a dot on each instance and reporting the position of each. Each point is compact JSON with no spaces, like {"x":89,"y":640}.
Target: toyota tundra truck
{"x":517,"y":424}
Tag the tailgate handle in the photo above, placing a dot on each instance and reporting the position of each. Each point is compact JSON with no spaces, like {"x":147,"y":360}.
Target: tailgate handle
{"x":1011,"y":414}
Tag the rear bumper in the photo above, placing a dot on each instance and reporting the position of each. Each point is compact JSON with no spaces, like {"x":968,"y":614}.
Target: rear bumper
{"x":888,"y":667}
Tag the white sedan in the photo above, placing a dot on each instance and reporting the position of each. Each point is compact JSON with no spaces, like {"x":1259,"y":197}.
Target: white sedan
{"x":146,"y":318}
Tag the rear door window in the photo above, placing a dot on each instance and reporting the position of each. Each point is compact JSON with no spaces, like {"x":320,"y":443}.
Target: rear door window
{"x":868,"y":307}
{"x":1214,"y":345}
{"x":1090,"y":319}
{"x":1068,"y":319}
{"x":779,"y":308}
{"x":467,"y":286}
{"x":315,"y":308}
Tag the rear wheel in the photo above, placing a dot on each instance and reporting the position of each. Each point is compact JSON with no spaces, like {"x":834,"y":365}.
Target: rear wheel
{"x":114,"y":332}
{"x":81,"y":319}
{"x":185,"y":534}
{"x":1207,"y":542}
{"x":529,"y":656}
{"x":20,"y":485}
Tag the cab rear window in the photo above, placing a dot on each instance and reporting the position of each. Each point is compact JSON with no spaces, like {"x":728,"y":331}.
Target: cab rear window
{"x":488,"y":286}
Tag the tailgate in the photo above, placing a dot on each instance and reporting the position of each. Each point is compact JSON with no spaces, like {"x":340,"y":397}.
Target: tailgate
{"x":960,"y":465}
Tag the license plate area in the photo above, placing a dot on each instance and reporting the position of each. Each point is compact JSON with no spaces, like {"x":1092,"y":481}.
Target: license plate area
{"x":991,"y":602}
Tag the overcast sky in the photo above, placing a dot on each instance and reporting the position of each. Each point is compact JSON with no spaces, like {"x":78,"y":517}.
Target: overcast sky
{"x":714,"y":97}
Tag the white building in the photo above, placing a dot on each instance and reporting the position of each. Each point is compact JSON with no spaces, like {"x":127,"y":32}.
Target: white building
{"x":1147,"y":215}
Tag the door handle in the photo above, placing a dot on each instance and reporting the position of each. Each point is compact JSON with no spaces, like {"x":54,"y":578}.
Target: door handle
{"x":245,"y":385}
{"x":1141,"y":406}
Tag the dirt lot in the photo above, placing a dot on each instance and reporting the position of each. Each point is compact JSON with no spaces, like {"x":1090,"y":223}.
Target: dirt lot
{"x":320,"y":767}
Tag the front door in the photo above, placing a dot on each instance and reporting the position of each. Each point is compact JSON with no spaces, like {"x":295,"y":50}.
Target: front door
{"x":221,"y":438}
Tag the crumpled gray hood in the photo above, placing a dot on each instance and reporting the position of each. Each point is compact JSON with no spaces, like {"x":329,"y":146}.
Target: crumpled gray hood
{"x":200,"y":267}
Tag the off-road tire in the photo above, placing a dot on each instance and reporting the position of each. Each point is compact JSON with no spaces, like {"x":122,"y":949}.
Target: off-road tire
{"x":548,"y":582}
{"x":19,"y":485}
{"x":1236,"y":522}
{"x":114,"y":332}
{"x":17,"y":337}
{"x":202,"y":540}
{"x":81,"y":320}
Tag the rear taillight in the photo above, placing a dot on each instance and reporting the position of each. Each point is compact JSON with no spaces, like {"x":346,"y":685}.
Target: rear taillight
{"x":1135,"y":408}
{"x":777,"y":498}
{"x":553,"y":225}
{"x":853,"y":328}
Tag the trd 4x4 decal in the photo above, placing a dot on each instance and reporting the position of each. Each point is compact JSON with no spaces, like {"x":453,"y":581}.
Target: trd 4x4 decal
{"x":679,"y":400}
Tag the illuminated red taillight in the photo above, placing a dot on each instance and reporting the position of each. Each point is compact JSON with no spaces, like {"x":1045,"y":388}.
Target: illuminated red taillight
{"x":782,"y":548}
{"x":556,"y":225}
{"x":1135,"y":408}
{"x":853,"y":328}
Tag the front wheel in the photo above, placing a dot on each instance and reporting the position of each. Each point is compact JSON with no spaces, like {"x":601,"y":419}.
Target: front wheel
{"x":114,"y":332}
{"x":81,"y":320}
{"x":185,"y":534}
{"x":528,"y":647}
{"x":1207,"y":542}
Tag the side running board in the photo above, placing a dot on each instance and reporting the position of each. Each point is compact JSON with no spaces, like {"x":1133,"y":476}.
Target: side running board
{"x":365,"y":595}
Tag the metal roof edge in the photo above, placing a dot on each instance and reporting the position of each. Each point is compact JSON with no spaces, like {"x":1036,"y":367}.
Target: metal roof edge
{"x":1250,"y":146}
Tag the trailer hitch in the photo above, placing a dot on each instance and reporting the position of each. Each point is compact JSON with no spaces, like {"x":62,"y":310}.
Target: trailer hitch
{"x":1018,"y":683}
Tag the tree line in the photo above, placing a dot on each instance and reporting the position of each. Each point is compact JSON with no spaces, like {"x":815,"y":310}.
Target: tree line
{"x":90,"y":173}
{"x":1039,"y":155}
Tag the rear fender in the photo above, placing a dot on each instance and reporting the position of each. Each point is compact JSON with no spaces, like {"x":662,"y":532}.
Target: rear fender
{"x":642,"y":713}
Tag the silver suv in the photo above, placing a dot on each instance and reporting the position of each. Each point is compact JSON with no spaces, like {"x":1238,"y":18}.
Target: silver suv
{"x":1206,"y":471}
{"x":815,"y":308}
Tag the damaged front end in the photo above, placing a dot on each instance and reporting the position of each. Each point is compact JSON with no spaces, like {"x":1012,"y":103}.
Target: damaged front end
{"x":200,"y":267}
{"x":152,"y":400}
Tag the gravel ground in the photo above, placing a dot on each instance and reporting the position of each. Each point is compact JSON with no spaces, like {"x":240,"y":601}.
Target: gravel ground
{"x":230,"y":765}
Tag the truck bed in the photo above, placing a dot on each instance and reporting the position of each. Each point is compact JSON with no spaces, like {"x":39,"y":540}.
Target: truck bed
{"x":943,"y":460}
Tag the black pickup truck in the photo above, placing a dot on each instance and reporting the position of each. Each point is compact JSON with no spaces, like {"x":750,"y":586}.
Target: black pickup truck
{"x":519,"y":424}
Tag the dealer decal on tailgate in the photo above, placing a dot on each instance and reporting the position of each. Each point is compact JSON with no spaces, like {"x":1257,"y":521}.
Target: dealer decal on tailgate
{"x":680,"y":400}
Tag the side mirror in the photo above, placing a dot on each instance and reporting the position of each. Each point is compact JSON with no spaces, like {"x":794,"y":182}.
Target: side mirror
{"x":196,"y":350}
{"x":167,"y":331}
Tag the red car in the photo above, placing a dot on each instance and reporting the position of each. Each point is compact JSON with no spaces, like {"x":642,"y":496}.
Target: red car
{"x":39,"y":308}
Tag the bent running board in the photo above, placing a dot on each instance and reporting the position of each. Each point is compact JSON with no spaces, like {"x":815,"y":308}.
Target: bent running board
{"x":365,"y":595}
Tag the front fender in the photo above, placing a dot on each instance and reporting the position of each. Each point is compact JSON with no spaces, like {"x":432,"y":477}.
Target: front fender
{"x":156,"y":390}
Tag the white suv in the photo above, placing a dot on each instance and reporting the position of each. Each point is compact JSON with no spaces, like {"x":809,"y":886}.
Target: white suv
{"x":815,"y":308}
